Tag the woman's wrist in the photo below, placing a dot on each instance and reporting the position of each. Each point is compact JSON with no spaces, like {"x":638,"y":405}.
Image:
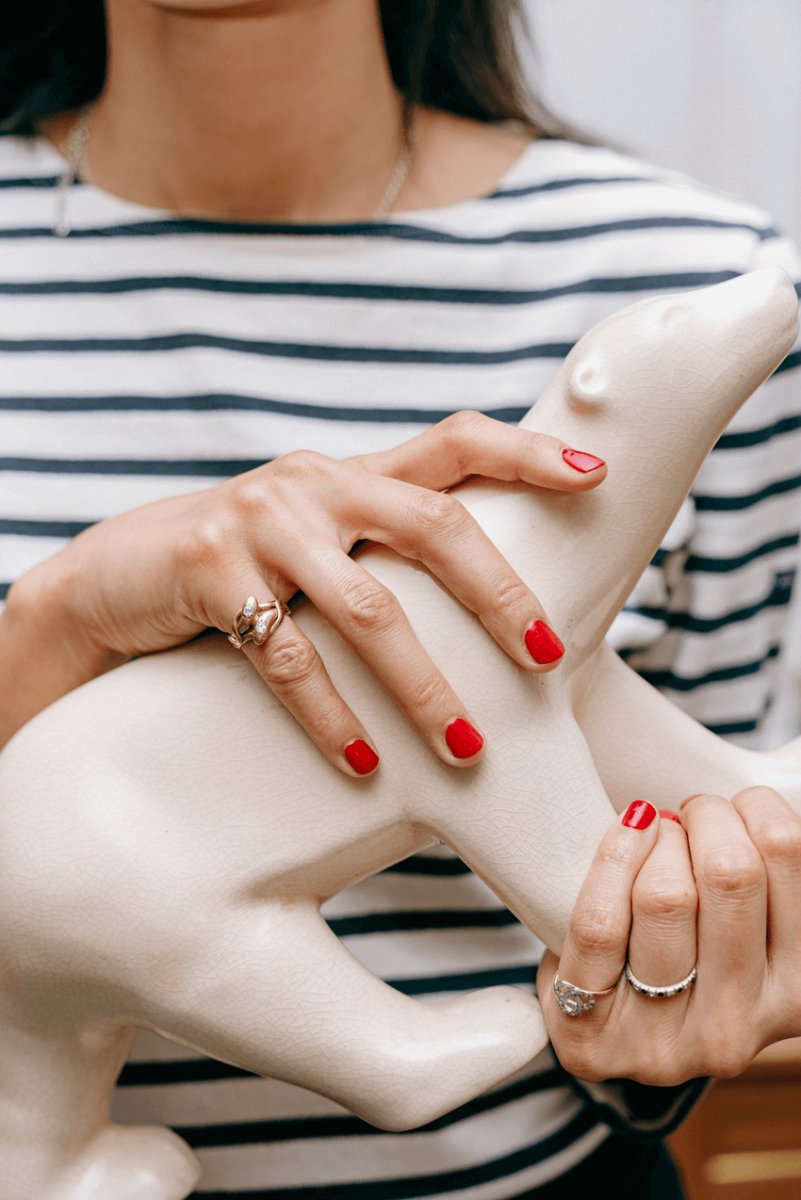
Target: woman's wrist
{"x":44,"y":650}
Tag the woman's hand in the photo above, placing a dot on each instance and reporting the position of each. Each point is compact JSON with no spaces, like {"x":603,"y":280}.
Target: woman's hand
{"x":155,"y":577}
{"x":722,"y":888}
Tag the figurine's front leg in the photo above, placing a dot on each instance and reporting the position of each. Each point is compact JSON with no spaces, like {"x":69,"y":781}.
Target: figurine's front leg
{"x":276,"y":992}
{"x":642,"y":744}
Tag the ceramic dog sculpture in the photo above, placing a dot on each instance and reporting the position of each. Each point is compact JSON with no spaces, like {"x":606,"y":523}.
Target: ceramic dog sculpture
{"x":163,"y":856}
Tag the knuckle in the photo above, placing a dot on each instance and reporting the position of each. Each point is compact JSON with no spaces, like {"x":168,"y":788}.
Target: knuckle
{"x":328,"y":724}
{"x":541,"y":445}
{"x":732,"y":870}
{"x":368,"y":605}
{"x":435,"y":512}
{"x":508,"y":594}
{"x":663,"y":900}
{"x":294,"y":661}
{"x":757,"y":795}
{"x":655,"y":1071}
{"x":615,"y":854}
{"x":250,"y":496}
{"x":781,"y":843}
{"x":301,"y":462}
{"x":599,"y":931}
{"x":580,"y":1061}
{"x":432,"y":692}
{"x":465,"y":424}
{"x":205,"y":545}
{"x":725,"y":1055}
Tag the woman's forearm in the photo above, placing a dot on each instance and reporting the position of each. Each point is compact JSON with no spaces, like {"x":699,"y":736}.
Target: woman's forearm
{"x":44,"y":654}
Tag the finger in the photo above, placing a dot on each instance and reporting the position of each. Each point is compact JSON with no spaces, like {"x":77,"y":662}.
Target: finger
{"x":594,"y":953}
{"x":775,"y":829}
{"x":294,"y":672}
{"x":662,"y":943}
{"x":370,"y":619}
{"x":732,"y":901}
{"x":469,"y":443}
{"x":439,"y":532}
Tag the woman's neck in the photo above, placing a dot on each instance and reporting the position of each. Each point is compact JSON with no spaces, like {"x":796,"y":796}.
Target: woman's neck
{"x":273,"y":111}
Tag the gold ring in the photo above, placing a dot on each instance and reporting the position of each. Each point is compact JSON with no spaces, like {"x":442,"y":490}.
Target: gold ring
{"x":255,"y":621}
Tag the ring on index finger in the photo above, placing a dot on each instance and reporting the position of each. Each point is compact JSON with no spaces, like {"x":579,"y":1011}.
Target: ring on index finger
{"x":255,"y":621}
{"x":574,"y":1001}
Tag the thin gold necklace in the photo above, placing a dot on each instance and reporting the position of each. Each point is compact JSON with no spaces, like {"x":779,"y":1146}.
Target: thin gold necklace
{"x":77,"y":169}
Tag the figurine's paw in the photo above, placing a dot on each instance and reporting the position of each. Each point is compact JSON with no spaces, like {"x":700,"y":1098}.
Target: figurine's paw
{"x":136,"y":1162}
{"x":452,"y":1053}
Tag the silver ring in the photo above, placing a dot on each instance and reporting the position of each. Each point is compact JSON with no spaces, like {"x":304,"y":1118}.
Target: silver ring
{"x":574,"y":1001}
{"x":661,"y":993}
{"x":255,"y":621}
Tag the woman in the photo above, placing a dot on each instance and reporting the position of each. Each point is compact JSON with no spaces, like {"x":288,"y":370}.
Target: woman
{"x":308,"y":226}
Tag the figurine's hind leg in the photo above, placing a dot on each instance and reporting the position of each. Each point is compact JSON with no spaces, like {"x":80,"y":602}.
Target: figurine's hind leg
{"x":280,"y":995}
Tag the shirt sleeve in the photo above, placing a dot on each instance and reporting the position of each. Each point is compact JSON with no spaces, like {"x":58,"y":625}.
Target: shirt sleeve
{"x":653,"y":1112}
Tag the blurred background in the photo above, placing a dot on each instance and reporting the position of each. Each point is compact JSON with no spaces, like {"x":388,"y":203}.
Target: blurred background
{"x":711,"y":88}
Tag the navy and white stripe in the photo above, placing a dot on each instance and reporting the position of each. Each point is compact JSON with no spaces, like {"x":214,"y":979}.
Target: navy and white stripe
{"x":146,"y":356}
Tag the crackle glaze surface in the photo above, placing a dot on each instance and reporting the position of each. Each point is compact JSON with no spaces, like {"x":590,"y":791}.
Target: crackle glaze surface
{"x":164,"y":855}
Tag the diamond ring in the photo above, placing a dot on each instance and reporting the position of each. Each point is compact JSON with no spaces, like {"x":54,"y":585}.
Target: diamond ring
{"x":574,"y":1001}
{"x":661,"y":993}
{"x":255,"y":621}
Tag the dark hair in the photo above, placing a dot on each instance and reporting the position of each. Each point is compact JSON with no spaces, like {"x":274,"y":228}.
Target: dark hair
{"x":457,"y":55}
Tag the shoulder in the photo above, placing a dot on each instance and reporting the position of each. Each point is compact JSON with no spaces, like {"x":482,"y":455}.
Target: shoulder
{"x":575,"y":180}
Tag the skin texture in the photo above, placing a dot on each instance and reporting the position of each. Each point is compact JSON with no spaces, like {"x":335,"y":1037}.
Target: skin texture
{"x":176,"y":791}
{"x":159,"y":575}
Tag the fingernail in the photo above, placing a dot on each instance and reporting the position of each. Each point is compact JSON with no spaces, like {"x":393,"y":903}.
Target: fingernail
{"x":581,"y":461}
{"x":542,"y":643}
{"x":687,"y":799}
{"x":463,"y":740}
{"x":667,"y":814}
{"x":360,"y":756}
{"x":639,"y":815}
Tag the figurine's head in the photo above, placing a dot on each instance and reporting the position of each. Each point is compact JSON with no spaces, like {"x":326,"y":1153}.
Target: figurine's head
{"x":714,"y":346}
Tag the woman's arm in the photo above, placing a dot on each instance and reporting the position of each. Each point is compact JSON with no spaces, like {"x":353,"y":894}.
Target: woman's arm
{"x":157,"y":576}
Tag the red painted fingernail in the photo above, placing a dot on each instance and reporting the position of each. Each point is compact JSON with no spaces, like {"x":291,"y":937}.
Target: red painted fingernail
{"x":687,"y":799}
{"x":360,"y":756}
{"x":580,"y":461}
{"x":639,"y":815}
{"x":463,"y":740}
{"x":542,"y":643}
{"x":667,"y":814}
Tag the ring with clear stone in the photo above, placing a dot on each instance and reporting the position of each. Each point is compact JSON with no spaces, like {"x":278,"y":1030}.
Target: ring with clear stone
{"x":255,"y":621}
{"x":573,"y":1001}
{"x":661,"y":993}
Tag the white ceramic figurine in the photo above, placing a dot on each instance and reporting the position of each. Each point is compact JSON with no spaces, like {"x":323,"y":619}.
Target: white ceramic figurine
{"x":167,"y":833}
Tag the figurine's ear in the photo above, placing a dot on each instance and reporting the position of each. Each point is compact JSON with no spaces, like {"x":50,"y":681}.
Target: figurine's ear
{"x":588,"y":383}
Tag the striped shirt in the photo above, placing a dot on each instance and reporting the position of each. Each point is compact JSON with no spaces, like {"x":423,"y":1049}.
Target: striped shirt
{"x":147,"y":355}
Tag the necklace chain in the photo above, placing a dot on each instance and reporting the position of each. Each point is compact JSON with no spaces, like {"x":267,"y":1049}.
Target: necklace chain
{"x":77,"y":170}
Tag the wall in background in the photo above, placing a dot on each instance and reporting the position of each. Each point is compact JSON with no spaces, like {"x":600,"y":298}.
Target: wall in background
{"x":711,"y":87}
{"x":708,"y":87}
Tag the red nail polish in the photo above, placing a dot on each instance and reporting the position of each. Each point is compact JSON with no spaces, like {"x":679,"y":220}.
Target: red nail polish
{"x":542,"y":643}
{"x":667,"y":814}
{"x":581,"y":461}
{"x":360,"y":756}
{"x":639,"y":815}
{"x":463,"y":740}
